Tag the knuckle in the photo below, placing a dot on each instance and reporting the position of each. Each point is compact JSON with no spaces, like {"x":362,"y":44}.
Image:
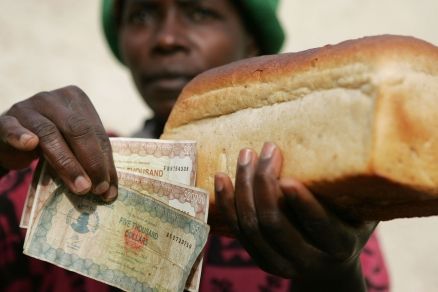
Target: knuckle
{"x":45,"y":130}
{"x":103,"y":139}
{"x":78,"y":126}
{"x":18,"y":107}
{"x":44,"y":96}
{"x":249,"y":225}
{"x":73,"y":88}
{"x":95,"y":167}
{"x":74,"y":91}
{"x":64,"y":162}
{"x":41,"y":94}
{"x":40,"y":101}
{"x":270,"y":220}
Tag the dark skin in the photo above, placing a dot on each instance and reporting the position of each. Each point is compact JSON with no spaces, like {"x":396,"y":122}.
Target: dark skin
{"x":287,"y":231}
{"x":164,"y":44}
{"x":167,"y":43}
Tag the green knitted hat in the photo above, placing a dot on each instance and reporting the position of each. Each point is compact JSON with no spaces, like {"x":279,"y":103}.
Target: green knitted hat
{"x":260,"y":15}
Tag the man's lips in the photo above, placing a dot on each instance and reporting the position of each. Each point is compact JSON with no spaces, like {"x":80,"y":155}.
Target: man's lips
{"x":167,"y":81}
{"x":171,"y":82}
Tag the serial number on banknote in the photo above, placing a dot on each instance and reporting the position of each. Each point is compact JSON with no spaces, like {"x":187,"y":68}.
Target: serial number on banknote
{"x":176,"y":168}
{"x":179,"y":240}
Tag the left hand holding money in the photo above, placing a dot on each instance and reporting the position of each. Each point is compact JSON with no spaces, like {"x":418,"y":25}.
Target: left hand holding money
{"x":63,"y":127}
{"x":286,"y":229}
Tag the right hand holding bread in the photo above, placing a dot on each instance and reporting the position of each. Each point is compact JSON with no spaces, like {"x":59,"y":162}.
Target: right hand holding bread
{"x":63,"y":127}
{"x":287,"y":231}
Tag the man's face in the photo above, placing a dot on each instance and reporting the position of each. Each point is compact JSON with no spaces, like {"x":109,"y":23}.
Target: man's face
{"x":165,"y":43}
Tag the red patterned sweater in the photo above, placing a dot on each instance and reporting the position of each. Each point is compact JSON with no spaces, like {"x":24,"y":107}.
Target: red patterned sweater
{"x":227,"y":267}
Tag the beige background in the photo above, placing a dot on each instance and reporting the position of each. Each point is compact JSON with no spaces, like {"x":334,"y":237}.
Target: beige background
{"x":47,"y":44}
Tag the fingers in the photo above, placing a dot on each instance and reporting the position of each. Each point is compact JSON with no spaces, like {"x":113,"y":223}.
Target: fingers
{"x":105,"y":146}
{"x":17,"y":144}
{"x":71,"y":137}
{"x":105,"y":163}
{"x":251,"y":236}
{"x":15,"y":135}
{"x":280,"y":222}
{"x":225,"y":201}
{"x":59,"y":155}
{"x":80,"y":137}
{"x":111,"y":193}
{"x":281,"y":234}
{"x":323,"y":229}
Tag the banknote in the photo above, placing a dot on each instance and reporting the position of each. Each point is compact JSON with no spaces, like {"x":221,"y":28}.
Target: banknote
{"x":190,"y":200}
{"x":173,"y":160}
{"x":39,"y":194}
{"x":136,"y":243}
{"x":30,"y":196}
{"x":164,"y":159}
{"x":170,"y":160}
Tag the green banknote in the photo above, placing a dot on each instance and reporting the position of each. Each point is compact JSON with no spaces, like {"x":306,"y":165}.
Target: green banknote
{"x":190,"y":200}
{"x":136,"y":243}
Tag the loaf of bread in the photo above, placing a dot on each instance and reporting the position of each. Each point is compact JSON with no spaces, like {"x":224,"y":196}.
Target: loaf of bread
{"x":356,"y":122}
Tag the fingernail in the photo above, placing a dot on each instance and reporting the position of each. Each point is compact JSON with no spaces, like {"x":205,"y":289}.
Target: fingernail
{"x":111,"y":194}
{"x":25,"y":138}
{"x":82,"y":185}
{"x":101,"y":188}
{"x":218,"y":185}
{"x":244,"y":156}
{"x":267,"y":151}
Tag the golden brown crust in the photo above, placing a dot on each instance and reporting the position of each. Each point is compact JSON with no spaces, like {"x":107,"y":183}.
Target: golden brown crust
{"x":266,"y":69}
{"x":356,"y":122}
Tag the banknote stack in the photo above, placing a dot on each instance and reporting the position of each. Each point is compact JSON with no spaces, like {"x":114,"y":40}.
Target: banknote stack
{"x":150,"y":239}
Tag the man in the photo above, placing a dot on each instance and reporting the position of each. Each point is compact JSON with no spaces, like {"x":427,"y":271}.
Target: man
{"x":165,"y":43}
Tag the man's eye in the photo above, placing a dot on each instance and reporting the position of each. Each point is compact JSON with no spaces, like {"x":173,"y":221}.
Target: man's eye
{"x":200,"y":14}
{"x":140,"y":17}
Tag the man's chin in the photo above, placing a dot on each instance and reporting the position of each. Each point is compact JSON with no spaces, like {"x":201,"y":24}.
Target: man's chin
{"x":163,"y":110}
{"x":164,"y":88}
{"x":161,"y":103}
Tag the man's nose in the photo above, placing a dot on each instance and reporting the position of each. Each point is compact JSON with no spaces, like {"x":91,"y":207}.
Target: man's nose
{"x":171,"y":34}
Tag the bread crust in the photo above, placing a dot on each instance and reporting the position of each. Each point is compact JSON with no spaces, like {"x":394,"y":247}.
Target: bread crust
{"x":356,"y":122}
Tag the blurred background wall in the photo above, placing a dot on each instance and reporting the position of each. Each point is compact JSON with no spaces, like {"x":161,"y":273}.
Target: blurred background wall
{"x":48,"y":44}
